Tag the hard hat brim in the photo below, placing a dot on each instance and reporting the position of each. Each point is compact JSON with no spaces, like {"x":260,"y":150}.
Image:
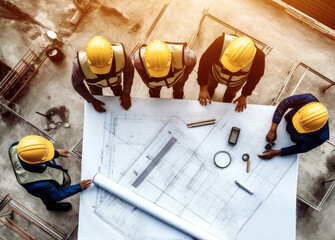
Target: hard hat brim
{"x":100,"y":70}
{"x":232,"y":68}
{"x":51,"y":151}
{"x":160,"y":73}
{"x":296,"y":123}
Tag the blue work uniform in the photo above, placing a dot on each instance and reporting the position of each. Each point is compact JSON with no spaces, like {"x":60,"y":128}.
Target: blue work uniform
{"x":48,"y":191}
{"x":304,"y":141}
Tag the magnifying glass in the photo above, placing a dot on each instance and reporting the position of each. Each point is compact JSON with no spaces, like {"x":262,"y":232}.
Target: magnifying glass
{"x":245,"y":157}
{"x":222,"y":159}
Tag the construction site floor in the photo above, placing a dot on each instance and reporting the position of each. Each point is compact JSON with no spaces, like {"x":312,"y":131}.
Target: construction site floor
{"x":128,"y":22}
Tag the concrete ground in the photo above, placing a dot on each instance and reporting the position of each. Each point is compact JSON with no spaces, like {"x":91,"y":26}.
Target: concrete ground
{"x":128,"y":22}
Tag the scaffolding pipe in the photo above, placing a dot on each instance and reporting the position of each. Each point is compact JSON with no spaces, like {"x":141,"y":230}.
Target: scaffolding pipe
{"x":153,"y":25}
{"x":21,"y":229}
{"x":26,"y":82}
{"x":14,"y":230}
{"x":204,"y":12}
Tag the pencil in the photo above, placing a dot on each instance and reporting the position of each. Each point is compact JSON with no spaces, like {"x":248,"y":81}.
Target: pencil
{"x":204,"y":121}
{"x":248,"y":166}
{"x":200,"y":125}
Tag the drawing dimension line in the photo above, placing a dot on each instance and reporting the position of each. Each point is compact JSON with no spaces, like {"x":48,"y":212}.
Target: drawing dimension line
{"x":154,"y":162}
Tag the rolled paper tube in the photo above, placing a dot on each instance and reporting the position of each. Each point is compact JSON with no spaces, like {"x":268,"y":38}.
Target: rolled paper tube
{"x":151,"y":208}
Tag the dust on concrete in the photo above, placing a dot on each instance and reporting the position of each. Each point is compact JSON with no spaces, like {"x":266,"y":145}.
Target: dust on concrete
{"x":303,"y":210}
{"x":330,"y":162}
{"x":320,"y":188}
{"x":9,"y":11}
{"x":107,"y":9}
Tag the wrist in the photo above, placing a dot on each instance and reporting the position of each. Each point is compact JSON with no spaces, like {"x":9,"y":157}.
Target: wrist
{"x":274,"y":127}
{"x":277,"y":152}
{"x":203,"y":88}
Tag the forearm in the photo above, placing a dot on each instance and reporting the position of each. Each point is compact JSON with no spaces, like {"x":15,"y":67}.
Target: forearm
{"x":84,"y":92}
{"x":291,"y":102}
{"x":128,"y":76}
{"x":207,"y":59}
{"x":190,"y":60}
{"x":256,"y":73}
{"x":274,"y":127}
{"x":56,"y":195}
{"x":300,"y":148}
{"x":250,"y":86}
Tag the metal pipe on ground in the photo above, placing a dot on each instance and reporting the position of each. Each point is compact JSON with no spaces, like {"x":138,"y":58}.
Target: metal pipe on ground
{"x":21,"y":229}
{"x":13,"y":69}
{"x":14,"y":230}
{"x":26,"y":82}
{"x":153,"y":25}
{"x":19,"y":75}
{"x":22,"y":62}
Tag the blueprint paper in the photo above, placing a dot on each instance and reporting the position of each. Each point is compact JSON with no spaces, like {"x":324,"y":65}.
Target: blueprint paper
{"x":153,"y":209}
{"x":187,"y":183}
{"x":150,"y":122}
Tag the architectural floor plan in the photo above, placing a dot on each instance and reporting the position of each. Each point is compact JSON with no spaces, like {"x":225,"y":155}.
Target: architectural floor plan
{"x":159,"y":158}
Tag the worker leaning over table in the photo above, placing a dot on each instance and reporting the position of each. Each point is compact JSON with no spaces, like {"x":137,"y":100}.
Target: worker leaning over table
{"x":307,"y":124}
{"x":235,"y":62}
{"x":36,"y":170}
{"x":101,"y":66}
{"x":165,"y":64}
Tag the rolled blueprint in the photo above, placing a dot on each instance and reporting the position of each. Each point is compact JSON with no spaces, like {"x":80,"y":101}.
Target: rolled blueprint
{"x":151,"y":208}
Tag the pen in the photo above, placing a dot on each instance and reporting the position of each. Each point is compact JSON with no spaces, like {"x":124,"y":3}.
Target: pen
{"x":244,"y":187}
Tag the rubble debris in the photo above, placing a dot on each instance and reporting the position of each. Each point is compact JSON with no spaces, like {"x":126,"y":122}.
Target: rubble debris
{"x":55,"y":117}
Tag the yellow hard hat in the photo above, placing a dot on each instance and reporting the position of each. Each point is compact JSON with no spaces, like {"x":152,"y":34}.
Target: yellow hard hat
{"x":310,"y":117}
{"x":158,"y":58}
{"x":238,"y":54}
{"x":34,"y":149}
{"x":99,"y":54}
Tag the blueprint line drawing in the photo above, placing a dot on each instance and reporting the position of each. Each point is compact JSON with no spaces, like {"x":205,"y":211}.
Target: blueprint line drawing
{"x":159,"y":158}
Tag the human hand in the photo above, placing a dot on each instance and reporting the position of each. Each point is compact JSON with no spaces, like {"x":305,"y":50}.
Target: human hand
{"x":97,"y":104}
{"x":63,"y":152}
{"x":241,"y":103}
{"x":125,"y":101}
{"x":270,"y":153}
{"x":204,"y":95}
{"x":85,"y":184}
{"x":271,"y":136}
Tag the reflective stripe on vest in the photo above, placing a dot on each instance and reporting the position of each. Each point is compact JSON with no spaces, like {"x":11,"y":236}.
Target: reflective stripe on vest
{"x":114,"y":76}
{"x":50,"y":174}
{"x":177,"y":67}
{"x":223,"y":75}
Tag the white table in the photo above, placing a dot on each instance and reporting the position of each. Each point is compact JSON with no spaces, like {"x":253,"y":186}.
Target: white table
{"x":274,"y":219}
